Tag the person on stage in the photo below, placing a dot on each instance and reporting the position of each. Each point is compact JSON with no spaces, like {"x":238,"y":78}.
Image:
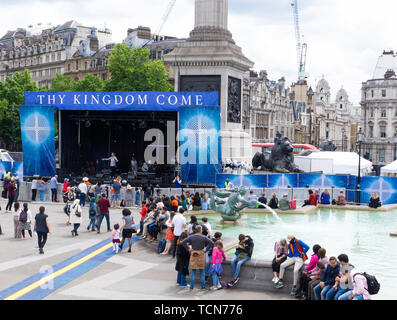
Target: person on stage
{"x":177,"y":182}
{"x":134,"y":167}
{"x":113,"y":163}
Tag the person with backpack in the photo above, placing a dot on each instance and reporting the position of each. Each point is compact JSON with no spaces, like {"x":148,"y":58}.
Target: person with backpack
{"x":361,"y":288}
{"x":25,"y":219}
{"x":296,"y":256}
{"x":92,"y":213}
{"x":75,"y":216}
{"x":11,"y":187}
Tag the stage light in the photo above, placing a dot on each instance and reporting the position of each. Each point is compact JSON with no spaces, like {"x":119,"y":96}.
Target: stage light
{"x":87,"y":124}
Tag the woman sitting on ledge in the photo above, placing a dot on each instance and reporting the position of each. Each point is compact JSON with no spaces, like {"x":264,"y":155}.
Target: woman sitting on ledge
{"x":341,"y":200}
{"x":273,"y":203}
{"x":325,"y":197}
{"x":374,"y":202}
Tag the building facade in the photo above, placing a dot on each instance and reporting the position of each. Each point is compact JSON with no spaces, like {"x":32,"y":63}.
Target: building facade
{"x":266,"y":108}
{"x":335,"y":116}
{"x":379,"y":112}
{"x":44,"y":54}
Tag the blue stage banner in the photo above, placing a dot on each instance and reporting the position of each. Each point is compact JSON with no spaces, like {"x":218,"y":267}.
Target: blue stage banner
{"x":200,"y":144}
{"x":323,"y":181}
{"x":282,"y":180}
{"x":38,"y":142}
{"x":352,"y":185}
{"x":385,"y":187}
{"x":17,"y":167}
{"x":124,"y":101}
{"x":242,"y":180}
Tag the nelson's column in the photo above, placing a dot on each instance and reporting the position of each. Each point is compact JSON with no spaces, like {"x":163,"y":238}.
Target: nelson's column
{"x":211,"y":61}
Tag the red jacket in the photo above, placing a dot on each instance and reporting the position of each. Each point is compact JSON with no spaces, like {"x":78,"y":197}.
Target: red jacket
{"x":312,"y":200}
{"x":103,"y":205}
{"x":143,"y":212}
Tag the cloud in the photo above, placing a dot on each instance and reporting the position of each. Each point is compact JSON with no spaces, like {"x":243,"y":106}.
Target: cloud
{"x":345,"y":38}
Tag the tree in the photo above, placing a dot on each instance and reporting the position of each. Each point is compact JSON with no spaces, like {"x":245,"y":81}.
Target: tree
{"x":12,"y":95}
{"x":89,"y":83}
{"x":61,"y":83}
{"x":132,"y":70}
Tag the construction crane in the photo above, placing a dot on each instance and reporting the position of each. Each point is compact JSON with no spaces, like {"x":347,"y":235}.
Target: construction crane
{"x":164,"y":19}
{"x":301,"y":48}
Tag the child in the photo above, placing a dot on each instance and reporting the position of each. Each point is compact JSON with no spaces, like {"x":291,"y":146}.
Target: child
{"x":116,"y":238}
{"x":216,"y":264}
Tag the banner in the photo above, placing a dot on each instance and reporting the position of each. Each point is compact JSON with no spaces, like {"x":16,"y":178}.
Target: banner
{"x":38,"y":143}
{"x":199,"y":144}
{"x":122,"y":101}
{"x":323,"y":181}
{"x":282,"y":181}
{"x":385,"y":187}
{"x":241,"y":180}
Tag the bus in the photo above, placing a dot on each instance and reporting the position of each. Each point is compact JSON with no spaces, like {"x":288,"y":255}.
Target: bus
{"x":263,"y":147}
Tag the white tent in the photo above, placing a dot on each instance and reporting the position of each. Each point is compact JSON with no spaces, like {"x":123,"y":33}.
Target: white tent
{"x":390,"y":168}
{"x":333,"y":163}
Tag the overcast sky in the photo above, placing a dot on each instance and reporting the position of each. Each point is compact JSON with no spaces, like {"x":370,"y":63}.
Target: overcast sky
{"x":345,"y":38}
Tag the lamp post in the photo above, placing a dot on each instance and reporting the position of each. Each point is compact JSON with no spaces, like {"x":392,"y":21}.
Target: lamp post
{"x":360,"y":138}
{"x":343,"y":139}
{"x":395,"y":145}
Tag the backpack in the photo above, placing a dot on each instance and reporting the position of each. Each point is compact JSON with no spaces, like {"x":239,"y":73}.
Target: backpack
{"x":23,"y":217}
{"x":372,"y":283}
{"x":161,"y":246}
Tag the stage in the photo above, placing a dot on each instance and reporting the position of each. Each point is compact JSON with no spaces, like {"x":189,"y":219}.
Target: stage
{"x":168,"y":130}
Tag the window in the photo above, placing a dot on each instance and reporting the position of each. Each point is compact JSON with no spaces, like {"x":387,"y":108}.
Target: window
{"x":382,"y":131}
{"x":77,"y":64}
{"x":372,"y":112}
{"x":383,"y":93}
{"x":68,"y":66}
{"x":383,"y":113}
{"x":326,"y":134}
{"x":382,"y":155}
{"x":371,"y":131}
{"x":372,"y":93}
{"x":327,"y":115}
{"x":341,"y":106}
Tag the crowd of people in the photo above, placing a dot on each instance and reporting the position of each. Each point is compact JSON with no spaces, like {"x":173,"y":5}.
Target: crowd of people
{"x":194,"y":245}
{"x":322,"y":278}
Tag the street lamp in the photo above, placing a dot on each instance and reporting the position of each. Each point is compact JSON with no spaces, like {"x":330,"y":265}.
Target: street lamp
{"x":395,"y":145}
{"x":360,"y":139}
{"x":343,"y":139}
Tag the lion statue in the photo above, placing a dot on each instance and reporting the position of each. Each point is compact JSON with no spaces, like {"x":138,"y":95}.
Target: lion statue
{"x":280,"y":159}
{"x":327,"y":145}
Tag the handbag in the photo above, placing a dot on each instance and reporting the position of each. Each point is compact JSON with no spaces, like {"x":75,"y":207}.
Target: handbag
{"x":197,"y":260}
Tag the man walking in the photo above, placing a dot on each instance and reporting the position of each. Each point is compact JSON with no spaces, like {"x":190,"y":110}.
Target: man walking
{"x":197,"y":244}
{"x":103,"y":205}
{"x":53,"y":187}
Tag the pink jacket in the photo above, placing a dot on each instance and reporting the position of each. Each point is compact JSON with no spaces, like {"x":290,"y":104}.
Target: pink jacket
{"x":312,"y":264}
{"x":217,"y":255}
{"x":316,"y":273}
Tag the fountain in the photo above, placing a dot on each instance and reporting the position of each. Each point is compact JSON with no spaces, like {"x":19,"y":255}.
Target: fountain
{"x":232,"y":205}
